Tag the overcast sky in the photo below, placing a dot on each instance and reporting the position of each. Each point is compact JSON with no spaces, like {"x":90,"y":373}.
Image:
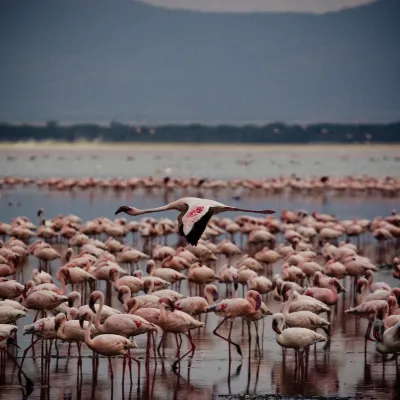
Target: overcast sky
{"x":316,"y":6}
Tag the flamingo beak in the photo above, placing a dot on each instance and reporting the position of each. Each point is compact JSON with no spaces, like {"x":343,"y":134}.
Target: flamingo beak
{"x":57,"y":325}
{"x":81,"y":320}
{"x":12,"y":342}
{"x":70,"y":303}
{"x":91,"y":304}
{"x":235,"y":283}
{"x":215,"y":296}
{"x":172,"y":305}
{"x":275,"y":326}
{"x":126,"y":210}
{"x":119,"y":296}
{"x":359,"y":288}
{"x":258,"y":302}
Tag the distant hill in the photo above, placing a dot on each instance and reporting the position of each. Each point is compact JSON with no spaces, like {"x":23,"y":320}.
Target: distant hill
{"x":196,"y":133}
{"x":103,"y":60}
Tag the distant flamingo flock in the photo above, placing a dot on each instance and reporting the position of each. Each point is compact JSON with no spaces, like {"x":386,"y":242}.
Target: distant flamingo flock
{"x":363,"y":184}
{"x":296,"y":263}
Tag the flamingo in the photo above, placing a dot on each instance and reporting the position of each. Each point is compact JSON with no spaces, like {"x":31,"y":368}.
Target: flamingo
{"x":168,"y":274}
{"x":195,"y":213}
{"x":387,"y":341}
{"x":9,"y":289}
{"x":134,"y":283}
{"x":302,"y":302}
{"x":295,"y":338}
{"x":121,"y":324}
{"x":10,"y":314}
{"x":233,"y":308}
{"x":374,"y":286}
{"x":6,"y":330}
{"x":177,"y":322}
{"x":198,"y":305}
{"x":369,"y":310}
{"x":110,"y":345}
{"x":303,"y":319}
{"x":134,"y":303}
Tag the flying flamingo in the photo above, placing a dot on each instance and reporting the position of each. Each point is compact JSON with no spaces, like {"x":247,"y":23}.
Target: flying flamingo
{"x":110,"y":345}
{"x":194,"y":215}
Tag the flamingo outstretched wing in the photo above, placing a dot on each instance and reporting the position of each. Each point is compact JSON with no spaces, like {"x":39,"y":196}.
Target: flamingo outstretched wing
{"x":194,"y":222}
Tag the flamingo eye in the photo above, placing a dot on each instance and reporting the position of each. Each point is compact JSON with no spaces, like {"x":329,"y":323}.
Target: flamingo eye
{"x":223,"y":306}
{"x":138,"y":324}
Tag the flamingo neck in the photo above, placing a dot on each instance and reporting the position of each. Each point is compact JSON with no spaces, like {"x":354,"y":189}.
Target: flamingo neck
{"x":286,"y":306}
{"x":151,"y":288}
{"x":63,"y":286}
{"x":208,"y":296}
{"x":153,"y":210}
{"x":163,"y":313}
{"x":88,"y":329}
{"x":362,"y":294}
{"x":97,"y":322}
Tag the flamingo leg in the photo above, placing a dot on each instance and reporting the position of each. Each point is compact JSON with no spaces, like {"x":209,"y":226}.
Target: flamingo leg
{"x":191,"y":350}
{"x":160,"y":344}
{"x":238,"y":349}
{"x":28,"y":381}
{"x":138,"y":364}
{"x":27,"y":349}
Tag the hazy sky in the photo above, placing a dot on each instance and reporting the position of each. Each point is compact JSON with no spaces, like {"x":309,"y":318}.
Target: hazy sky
{"x":316,"y":6}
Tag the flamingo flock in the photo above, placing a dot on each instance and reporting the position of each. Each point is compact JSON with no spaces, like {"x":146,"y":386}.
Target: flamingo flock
{"x":365,"y":184}
{"x":103,"y":283}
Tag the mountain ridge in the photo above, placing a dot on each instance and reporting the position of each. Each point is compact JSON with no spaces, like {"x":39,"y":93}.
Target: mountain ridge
{"x":95,"y":61}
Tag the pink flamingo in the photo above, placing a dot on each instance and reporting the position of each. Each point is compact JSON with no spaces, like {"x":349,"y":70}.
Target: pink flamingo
{"x":233,"y":308}
{"x":195,"y":213}
{"x":110,"y":345}
{"x":177,"y":322}
{"x":197,"y":305}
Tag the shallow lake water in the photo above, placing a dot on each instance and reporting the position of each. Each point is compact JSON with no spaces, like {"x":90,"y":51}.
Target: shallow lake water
{"x":343,"y":370}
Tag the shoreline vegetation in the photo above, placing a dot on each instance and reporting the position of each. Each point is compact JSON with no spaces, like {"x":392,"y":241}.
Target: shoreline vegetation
{"x":269,"y":134}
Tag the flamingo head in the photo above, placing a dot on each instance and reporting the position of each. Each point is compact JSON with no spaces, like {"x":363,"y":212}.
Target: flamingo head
{"x":122,"y":292}
{"x":84,"y":316}
{"x":235,"y":282}
{"x":368,"y":274}
{"x":59,"y":320}
{"x":396,"y":293}
{"x":113,"y":274}
{"x":256,"y":297}
{"x":166,"y":301}
{"x":360,"y":284}
{"x":339,"y":288}
{"x":93,"y":298}
{"x":128,"y":210}
{"x":396,"y":262}
{"x":378,"y":329}
{"x":278,"y":323}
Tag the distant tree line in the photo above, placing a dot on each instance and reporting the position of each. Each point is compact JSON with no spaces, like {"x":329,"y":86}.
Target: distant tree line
{"x":197,"y":133}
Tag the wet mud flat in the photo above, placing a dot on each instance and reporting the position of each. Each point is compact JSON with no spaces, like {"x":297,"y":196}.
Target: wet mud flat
{"x":342,"y":371}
